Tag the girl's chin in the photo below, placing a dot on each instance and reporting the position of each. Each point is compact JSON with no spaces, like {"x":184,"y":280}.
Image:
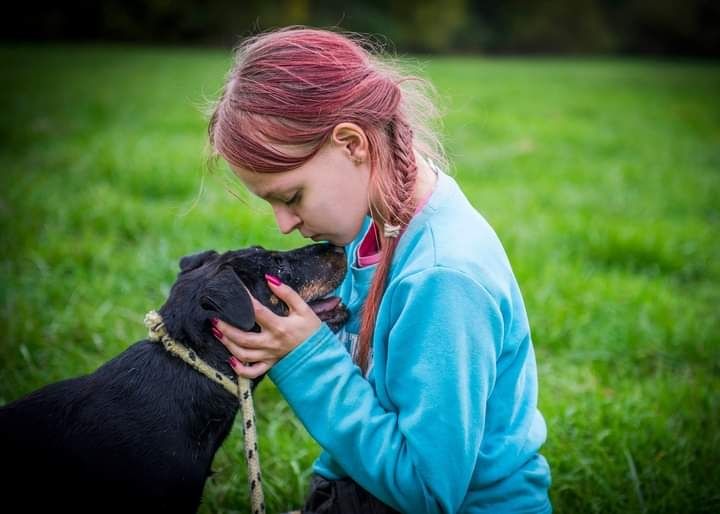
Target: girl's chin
{"x":337,"y":241}
{"x":332,"y":239}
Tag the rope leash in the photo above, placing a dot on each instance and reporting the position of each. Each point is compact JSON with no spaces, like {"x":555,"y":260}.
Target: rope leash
{"x":158,"y":332}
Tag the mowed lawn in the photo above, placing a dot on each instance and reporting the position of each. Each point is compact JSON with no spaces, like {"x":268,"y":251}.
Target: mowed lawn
{"x":601,"y":177}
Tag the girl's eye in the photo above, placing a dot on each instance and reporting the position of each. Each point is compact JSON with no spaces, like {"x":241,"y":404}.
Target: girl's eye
{"x":294,"y":199}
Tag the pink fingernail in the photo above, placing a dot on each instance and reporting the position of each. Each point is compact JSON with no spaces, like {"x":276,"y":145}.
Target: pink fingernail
{"x":273,"y":280}
{"x":217,"y":333}
{"x":233,"y":361}
{"x":214,"y":321}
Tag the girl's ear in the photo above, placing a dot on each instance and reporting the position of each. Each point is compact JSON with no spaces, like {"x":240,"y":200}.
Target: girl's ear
{"x":353,"y":140}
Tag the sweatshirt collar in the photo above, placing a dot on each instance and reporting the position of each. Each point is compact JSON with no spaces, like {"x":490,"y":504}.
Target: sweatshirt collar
{"x":443,"y":187}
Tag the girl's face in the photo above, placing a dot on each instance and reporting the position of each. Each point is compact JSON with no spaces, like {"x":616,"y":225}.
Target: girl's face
{"x":326,"y":199}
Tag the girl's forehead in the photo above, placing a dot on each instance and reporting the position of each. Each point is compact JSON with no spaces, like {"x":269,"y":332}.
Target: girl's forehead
{"x":266,"y":185}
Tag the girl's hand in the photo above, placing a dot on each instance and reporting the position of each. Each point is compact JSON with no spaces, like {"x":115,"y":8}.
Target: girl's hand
{"x":280,"y":334}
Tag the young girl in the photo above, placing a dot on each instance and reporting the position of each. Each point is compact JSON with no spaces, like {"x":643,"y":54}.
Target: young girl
{"x":426,"y":401}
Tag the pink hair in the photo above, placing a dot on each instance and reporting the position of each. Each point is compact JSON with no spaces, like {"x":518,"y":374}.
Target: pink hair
{"x":292,"y":86}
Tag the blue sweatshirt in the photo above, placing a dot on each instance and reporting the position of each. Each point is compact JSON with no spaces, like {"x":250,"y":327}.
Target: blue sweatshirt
{"x":446,"y":418}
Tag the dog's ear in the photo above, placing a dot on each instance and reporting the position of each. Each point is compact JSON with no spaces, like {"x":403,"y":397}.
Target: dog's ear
{"x":227,"y":298}
{"x":190,"y":262}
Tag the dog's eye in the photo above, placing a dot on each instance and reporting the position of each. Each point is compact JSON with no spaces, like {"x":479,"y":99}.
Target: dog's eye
{"x":280,"y":266}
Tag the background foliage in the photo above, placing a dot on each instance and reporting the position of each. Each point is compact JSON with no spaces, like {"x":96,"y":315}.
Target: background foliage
{"x":690,"y":27}
{"x":599,"y":175}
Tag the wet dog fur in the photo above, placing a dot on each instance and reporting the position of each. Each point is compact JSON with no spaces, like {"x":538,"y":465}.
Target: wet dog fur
{"x":139,"y":434}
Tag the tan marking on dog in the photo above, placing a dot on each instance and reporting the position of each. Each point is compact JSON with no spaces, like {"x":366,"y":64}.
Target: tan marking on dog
{"x":314,"y":289}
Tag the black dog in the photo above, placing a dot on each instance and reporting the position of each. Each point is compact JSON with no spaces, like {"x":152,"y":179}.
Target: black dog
{"x":139,"y":434}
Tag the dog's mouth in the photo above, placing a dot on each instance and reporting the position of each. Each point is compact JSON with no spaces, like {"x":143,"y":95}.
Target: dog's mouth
{"x":325,"y":305}
{"x":329,"y":309}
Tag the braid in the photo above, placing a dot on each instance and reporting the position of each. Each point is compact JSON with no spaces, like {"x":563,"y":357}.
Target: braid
{"x":405,"y":168}
{"x":400,"y":208}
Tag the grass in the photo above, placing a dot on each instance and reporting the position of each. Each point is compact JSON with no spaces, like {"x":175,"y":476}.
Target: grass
{"x":601,"y":177}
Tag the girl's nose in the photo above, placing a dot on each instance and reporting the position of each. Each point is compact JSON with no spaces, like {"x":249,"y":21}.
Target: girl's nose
{"x":287,"y":221}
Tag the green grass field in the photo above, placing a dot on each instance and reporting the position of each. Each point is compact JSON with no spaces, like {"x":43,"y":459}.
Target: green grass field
{"x":601,"y":177}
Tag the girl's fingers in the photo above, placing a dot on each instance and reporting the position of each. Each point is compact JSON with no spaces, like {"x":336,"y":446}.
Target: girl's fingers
{"x":263,"y":316}
{"x":247,"y":355}
{"x":234,"y":336}
{"x":286,"y":293}
{"x":249,"y":371}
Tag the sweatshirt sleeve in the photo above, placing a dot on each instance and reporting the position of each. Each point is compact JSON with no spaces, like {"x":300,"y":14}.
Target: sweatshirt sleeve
{"x":419,"y":455}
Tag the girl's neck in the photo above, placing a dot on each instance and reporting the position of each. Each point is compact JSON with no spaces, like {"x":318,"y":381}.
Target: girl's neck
{"x":424,"y":184}
{"x":425,"y":179}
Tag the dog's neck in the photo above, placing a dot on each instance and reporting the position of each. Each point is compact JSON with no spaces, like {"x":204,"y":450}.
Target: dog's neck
{"x":158,"y":332}
{"x":202,"y":343}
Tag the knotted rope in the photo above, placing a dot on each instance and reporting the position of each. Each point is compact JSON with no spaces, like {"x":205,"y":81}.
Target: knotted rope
{"x":158,"y":332}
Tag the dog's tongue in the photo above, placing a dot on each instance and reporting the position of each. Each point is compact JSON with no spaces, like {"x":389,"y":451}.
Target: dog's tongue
{"x":325,"y":305}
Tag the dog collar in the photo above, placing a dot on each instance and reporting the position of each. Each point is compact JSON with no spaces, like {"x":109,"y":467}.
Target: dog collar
{"x":158,"y":332}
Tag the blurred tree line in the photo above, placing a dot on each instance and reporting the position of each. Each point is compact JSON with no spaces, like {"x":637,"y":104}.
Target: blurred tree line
{"x":675,"y":27}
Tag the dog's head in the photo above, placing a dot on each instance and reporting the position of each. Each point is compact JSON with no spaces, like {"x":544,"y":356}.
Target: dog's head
{"x":213,"y":285}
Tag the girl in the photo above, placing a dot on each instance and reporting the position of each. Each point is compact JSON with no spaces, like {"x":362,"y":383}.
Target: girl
{"x":426,"y":401}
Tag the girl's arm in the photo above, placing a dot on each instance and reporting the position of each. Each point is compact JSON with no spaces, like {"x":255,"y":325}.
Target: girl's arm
{"x":419,"y":455}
